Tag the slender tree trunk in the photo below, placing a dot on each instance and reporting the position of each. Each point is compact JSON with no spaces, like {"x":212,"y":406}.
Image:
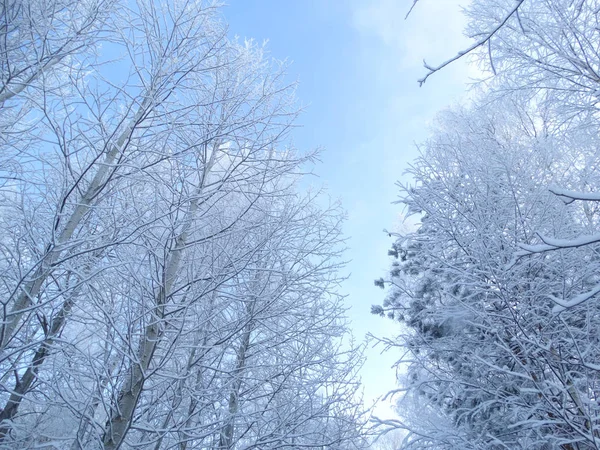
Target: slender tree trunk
{"x":178,"y":397}
{"x":78,"y":443}
{"x":122,"y":414}
{"x":23,"y":385}
{"x":194,"y":401}
{"x":228,"y":430}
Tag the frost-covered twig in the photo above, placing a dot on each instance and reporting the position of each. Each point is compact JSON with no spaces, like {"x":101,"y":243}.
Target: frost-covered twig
{"x":434,"y":69}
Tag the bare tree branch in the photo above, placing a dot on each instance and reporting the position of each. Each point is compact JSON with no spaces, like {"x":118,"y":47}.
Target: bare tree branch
{"x":483,"y":41}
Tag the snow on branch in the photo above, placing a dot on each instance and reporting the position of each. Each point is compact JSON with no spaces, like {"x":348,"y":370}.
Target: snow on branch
{"x":391,"y":424}
{"x":569,"y":197}
{"x":550,"y":244}
{"x":562,"y":304}
{"x":434,"y":69}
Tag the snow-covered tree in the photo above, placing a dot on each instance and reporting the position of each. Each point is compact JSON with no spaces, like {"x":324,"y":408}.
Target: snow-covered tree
{"x":165,"y":282}
{"x":497,"y":290}
{"x":489,"y":363}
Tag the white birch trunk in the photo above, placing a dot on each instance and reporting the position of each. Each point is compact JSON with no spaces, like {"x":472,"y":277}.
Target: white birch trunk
{"x":121,"y":416}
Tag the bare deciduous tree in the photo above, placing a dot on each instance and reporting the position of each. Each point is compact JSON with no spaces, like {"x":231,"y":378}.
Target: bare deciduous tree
{"x":164,"y":282}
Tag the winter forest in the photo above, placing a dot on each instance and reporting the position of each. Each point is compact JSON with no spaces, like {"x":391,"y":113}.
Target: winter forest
{"x":174,"y":276}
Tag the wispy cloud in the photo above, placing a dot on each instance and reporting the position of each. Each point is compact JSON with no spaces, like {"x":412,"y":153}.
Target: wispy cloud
{"x":433,"y":31}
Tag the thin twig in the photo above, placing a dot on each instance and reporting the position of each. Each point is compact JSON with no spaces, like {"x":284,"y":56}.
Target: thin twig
{"x":476,"y":45}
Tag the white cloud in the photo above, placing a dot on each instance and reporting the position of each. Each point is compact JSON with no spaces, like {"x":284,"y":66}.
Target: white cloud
{"x":433,"y":31}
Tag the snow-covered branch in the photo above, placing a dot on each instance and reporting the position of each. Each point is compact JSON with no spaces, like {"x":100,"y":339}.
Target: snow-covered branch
{"x":488,"y":36}
{"x":568,"y":196}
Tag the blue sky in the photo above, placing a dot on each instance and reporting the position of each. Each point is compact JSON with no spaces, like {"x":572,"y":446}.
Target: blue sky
{"x":357,"y":63}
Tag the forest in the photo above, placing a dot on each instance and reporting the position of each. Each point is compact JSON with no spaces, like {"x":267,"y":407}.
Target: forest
{"x":170,"y":278}
{"x":165,"y":283}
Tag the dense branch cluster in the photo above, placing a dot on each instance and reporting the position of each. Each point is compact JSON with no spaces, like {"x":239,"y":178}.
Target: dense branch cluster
{"x":498,"y":289}
{"x":165,"y":283}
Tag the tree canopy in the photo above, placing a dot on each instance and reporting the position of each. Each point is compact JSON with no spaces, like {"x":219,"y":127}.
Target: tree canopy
{"x":496,"y":291}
